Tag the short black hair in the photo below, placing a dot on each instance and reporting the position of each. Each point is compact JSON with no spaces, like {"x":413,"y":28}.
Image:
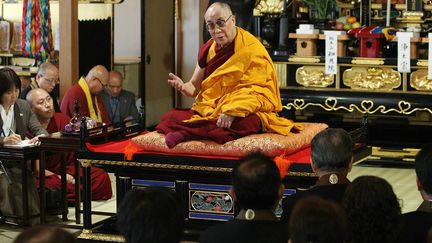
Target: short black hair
{"x":44,"y":234}
{"x":423,"y":168}
{"x":317,"y":220}
{"x":372,"y":209}
{"x":256,"y":181}
{"x":10,"y":74}
{"x":6,"y":83}
{"x":151,"y":214}
{"x":332,"y":149}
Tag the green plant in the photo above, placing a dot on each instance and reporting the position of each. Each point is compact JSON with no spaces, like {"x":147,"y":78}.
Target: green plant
{"x":322,"y":7}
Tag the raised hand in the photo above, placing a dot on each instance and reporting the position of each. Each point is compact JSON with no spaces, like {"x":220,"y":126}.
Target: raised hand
{"x":176,"y":82}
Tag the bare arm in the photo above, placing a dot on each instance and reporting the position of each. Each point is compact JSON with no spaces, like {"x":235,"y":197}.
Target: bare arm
{"x":190,"y":88}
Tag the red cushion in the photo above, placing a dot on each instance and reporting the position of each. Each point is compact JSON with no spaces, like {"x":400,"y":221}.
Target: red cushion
{"x":269,"y":143}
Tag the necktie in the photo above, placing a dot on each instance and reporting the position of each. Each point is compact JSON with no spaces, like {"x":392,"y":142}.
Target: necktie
{"x":115,"y":116}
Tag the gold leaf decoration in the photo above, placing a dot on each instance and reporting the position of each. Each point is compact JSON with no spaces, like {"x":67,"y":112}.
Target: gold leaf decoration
{"x":313,"y":76}
{"x":372,"y":78}
{"x":419,"y":80}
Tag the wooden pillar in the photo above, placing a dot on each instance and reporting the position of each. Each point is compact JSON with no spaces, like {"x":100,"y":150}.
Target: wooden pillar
{"x":68,"y":44}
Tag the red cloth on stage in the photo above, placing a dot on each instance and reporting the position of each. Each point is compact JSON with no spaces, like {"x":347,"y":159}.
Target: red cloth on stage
{"x":101,"y":183}
{"x":76,"y":93}
{"x":242,"y":126}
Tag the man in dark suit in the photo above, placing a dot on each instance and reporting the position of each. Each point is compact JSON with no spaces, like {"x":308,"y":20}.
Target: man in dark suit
{"x":416,"y":224}
{"x":332,"y":156}
{"x":119,"y":103}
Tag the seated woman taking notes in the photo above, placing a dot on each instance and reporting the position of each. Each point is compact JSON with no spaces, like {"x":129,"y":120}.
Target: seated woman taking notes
{"x":16,"y":119}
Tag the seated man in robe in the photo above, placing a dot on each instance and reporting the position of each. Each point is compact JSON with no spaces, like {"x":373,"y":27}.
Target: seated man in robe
{"x":46,"y":78}
{"x":42,"y":105}
{"x":234,"y":84}
{"x":119,"y":103}
{"x":87,"y":93}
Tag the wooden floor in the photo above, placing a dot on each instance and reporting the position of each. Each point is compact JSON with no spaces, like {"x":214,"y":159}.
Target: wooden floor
{"x":402,"y":180}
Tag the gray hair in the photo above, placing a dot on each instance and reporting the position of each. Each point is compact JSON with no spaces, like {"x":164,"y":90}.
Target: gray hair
{"x":44,"y":67}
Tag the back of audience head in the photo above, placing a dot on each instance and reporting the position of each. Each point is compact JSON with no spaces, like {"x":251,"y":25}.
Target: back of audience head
{"x":332,"y":150}
{"x":151,"y":215}
{"x":372,"y":209}
{"x":423,"y":168}
{"x":317,"y":220}
{"x":256,"y":182}
{"x":44,"y":234}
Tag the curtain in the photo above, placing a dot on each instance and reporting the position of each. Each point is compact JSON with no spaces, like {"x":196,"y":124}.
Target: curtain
{"x":94,"y":44}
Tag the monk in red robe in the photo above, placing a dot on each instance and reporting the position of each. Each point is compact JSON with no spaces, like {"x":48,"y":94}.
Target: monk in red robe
{"x":234,"y":84}
{"x":42,"y":105}
{"x":87,"y":93}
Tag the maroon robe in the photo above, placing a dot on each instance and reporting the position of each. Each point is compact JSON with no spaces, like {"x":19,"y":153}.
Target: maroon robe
{"x":172,"y":121}
{"x":76,"y":93}
{"x":101,"y":183}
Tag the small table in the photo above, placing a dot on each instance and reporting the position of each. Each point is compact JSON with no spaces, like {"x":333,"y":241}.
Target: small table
{"x":59,"y":143}
{"x":22,"y":155}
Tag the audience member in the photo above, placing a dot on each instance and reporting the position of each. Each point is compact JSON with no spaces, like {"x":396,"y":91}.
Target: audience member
{"x":256,"y":189}
{"x":16,"y":120}
{"x":87,"y":93}
{"x":373,"y":210}
{"x":42,"y":105}
{"x":47,"y":78}
{"x":234,"y":84}
{"x":151,"y":215}
{"x":319,"y":221}
{"x":119,"y":103}
{"x":331,"y":157}
{"x":416,"y":224}
{"x":44,"y":234}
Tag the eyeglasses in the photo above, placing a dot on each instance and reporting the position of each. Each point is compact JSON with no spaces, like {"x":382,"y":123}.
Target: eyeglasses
{"x":103,"y":85}
{"x":220,"y":23}
{"x":52,"y":80}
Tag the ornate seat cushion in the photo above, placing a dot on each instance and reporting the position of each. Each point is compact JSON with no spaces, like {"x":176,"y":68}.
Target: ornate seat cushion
{"x":269,"y":143}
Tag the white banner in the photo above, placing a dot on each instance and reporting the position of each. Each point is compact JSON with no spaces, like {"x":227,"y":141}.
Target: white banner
{"x":331,"y":39}
{"x":404,"y":51}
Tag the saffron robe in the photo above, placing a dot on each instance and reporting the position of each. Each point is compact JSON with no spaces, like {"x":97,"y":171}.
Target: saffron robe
{"x":101,"y":183}
{"x":244,"y":86}
{"x":76,"y":93}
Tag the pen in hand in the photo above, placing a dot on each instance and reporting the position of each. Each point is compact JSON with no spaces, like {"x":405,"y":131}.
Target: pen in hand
{"x":11,"y":132}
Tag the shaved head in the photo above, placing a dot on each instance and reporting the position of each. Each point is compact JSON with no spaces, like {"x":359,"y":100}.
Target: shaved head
{"x":221,"y":23}
{"x":97,"y":79}
{"x":41,"y":103}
